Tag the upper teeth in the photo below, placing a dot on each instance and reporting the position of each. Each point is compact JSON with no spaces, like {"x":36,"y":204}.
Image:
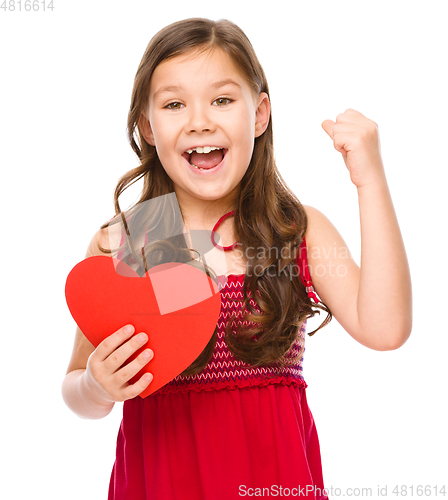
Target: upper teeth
{"x":205,"y":149}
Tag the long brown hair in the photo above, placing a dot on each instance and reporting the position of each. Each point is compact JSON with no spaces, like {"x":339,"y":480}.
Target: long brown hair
{"x":267,"y":216}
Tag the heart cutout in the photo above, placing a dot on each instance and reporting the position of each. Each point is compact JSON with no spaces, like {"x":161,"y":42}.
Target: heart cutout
{"x":176,"y":304}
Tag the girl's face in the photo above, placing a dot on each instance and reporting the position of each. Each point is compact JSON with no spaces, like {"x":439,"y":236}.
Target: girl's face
{"x":198,"y":100}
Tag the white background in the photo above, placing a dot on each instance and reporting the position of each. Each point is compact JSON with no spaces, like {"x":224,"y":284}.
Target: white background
{"x":66,"y":81}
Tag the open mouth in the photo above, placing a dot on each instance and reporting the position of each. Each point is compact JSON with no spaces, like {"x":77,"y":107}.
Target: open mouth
{"x":205,"y":158}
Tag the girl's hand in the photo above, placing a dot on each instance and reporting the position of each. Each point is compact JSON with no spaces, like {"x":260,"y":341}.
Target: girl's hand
{"x":357,"y":139}
{"x":106,"y":378}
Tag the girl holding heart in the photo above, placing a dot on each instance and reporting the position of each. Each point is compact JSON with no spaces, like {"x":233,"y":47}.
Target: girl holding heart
{"x":237,"y":419}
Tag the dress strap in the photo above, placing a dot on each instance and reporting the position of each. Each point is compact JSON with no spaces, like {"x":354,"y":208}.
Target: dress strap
{"x":305,"y":273}
{"x":302,"y":259}
{"x":230,"y":247}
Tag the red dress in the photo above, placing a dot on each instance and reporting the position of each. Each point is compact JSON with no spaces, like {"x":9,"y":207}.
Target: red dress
{"x":223,"y":433}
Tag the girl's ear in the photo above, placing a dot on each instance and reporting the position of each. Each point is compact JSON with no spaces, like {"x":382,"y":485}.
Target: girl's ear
{"x":145,"y":129}
{"x":263,"y":114}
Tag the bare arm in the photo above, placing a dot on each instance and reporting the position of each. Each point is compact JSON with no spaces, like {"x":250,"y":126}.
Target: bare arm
{"x":372,"y":303}
{"x":79,"y":398}
{"x":95,"y":378}
{"x":385,"y":291}
{"x":91,"y":392}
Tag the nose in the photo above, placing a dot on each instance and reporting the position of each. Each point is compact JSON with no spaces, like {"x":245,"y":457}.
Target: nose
{"x":199,"y":120}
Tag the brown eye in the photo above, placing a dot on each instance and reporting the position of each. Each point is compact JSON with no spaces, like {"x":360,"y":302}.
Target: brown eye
{"x":221,"y":99}
{"x":174,"y":105}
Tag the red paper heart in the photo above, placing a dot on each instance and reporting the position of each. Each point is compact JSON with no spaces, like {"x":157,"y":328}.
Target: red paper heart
{"x":176,"y":304}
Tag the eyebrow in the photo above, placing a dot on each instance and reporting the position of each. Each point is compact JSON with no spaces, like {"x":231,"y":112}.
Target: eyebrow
{"x":175,"y":88}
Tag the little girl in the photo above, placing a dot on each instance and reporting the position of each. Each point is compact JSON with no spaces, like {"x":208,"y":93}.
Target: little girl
{"x":236,"y":422}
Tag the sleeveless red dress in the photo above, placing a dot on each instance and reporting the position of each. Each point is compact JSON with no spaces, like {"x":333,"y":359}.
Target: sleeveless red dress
{"x":227,"y":432}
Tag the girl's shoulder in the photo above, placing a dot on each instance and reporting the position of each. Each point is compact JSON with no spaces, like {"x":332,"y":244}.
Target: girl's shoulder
{"x":105,"y":239}
{"x":320,"y":230}
{"x":324,"y":243}
{"x":100,"y":243}
{"x":334,"y":272}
